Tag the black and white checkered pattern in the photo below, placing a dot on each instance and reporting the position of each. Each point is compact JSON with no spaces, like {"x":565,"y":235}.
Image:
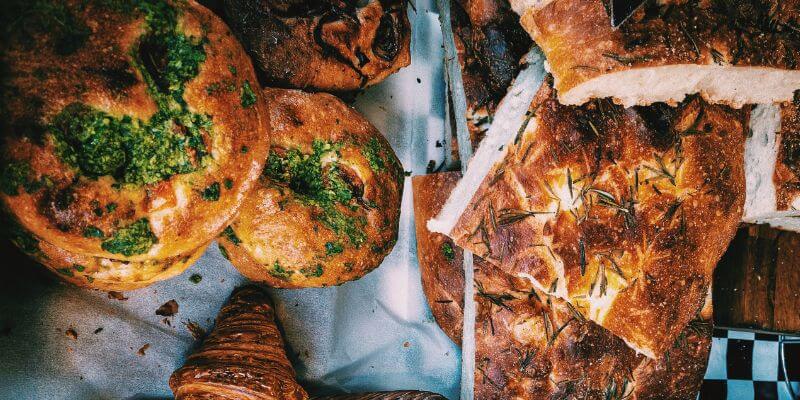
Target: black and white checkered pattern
{"x":746,"y":365}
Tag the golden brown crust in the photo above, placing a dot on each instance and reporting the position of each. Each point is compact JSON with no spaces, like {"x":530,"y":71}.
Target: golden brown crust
{"x":107,"y":274}
{"x":580,"y":44}
{"x":326,"y":210}
{"x":623,"y":212}
{"x":242,"y":358}
{"x":331,"y":45}
{"x":787,"y":167}
{"x":61,"y":202}
{"x":399,"y":395}
{"x":531,"y":345}
{"x":434,"y":250}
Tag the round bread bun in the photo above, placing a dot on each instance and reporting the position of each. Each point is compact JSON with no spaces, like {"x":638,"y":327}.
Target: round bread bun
{"x":131,"y":130}
{"x":327,"y":207}
{"x":96,"y":272}
{"x":330,"y":45}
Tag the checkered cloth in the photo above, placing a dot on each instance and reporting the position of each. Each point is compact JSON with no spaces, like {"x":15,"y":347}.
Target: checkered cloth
{"x":745,"y":366}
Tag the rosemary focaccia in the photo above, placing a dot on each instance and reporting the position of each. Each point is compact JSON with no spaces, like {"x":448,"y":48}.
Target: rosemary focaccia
{"x":131,"y":130}
{"x":621,"y":212}
{"x":772,"y":166}
{"x":535,"y":346}
{"x":327,"y":207}
{"x":730,"y":52}
{"x":329,"y":45}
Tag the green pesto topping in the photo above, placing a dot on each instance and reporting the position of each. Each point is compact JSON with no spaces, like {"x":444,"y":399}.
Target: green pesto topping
{"x":136,"y":238}
{"x":448,"y":252}
{"x":223,"y":251}
{"x":322,"y":187}
{"x":279,"y":272}
{"x":195,"y":278}
{"x":333,"y":248}
{"x":229,"y":234}
{"x":14,"y":175}
{"x":232,"y":69}
{"x":93,"y":232}
{"x":24,"y":20}
{"x":315,"y":272}
{"x":373,"y":152}
{"x":131,"y":150}
{"x":248,"y":97}
{"x":110,"y":207}
{"x":228,"y":182}
{"x":244,"y":149}
{"x":65,"y":271}
{"x":211,"y":193}
{"x":79,"y":267}
{"x":21,"y":238}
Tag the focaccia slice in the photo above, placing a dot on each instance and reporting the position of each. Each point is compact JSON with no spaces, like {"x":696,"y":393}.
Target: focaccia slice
{"x":731,"y":52}
{"x":622,"y":212}
{"x":534,"y":346}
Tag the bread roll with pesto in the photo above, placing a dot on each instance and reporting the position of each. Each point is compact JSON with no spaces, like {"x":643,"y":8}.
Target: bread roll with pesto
{"x":327,"y":206}
{"x":132,"y":131}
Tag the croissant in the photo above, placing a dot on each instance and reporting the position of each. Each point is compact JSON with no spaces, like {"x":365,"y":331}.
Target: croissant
{"x":242,"y":358}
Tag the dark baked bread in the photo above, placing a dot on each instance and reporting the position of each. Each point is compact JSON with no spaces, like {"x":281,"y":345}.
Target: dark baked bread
{"x":532,"y":345}
{"x":242,"y":358}
{"x":622,"y":212}
{"x":327,"y":207}
{"x":331,"y":45}
{"x":731,"y":52}
{"x":131,"y":130}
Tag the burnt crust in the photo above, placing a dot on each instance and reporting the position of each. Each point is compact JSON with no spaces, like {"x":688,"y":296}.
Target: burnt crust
{"x":327,"y":208}
{"x":758,"y":33}
{"x":532,"y":345}
{"x":80,"y":207}
{"x":242,"y":357}
{"x":331,"y":45}
{"x":599,"y":203}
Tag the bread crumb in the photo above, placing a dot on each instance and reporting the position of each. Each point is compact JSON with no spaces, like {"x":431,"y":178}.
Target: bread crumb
{"x":114,"y":295}
{"x":168,"y":309}
{"x":143,"y":349}
{"x":72,"y":334}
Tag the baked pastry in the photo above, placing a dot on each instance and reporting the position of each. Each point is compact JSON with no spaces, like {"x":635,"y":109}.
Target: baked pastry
{"x":242,"y":358}
{"x":490,"y":44}
{"x":622,"y":212}
{"x":731,"y":52}
{"x":327,"y":206}
{"x":772,"y":167}
{"x":329,"y":45}
{"x":399,"y":395}
{"x":131,"y":131}
{"x":532,"y":345}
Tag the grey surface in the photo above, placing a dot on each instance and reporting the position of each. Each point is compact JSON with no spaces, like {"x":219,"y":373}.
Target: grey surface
{"x":373,"y":334}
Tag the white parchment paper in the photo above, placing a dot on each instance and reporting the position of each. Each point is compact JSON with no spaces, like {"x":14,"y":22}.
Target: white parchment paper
{"x":373,"y":334}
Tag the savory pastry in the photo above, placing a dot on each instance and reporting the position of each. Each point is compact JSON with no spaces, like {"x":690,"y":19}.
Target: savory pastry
{"x":730,"y":52}
{"x":535,"y":346}
{"x":399,"y":395}
{"x":622,"y":212}
{"x":490,"y":44}
{"x":327,"y":207}
{"x":330,"y":45}
{"x":242,"y":358}
{"x":131,"y":130}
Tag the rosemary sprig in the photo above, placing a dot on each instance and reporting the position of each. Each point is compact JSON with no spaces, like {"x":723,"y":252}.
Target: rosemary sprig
{"x":526,"y":359}
{"x":498,"y":299}
{"x":510,"y":216}
{"x":582,"y":255}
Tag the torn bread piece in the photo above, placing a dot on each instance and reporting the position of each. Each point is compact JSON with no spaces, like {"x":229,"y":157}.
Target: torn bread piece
{"x":622,"y":212}
{"x":772,"y":165}
{"x":531,"y":345}
{"x":730,"y":52}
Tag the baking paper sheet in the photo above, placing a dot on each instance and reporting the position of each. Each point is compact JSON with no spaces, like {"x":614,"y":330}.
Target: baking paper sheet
{"x":373,"y":334}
